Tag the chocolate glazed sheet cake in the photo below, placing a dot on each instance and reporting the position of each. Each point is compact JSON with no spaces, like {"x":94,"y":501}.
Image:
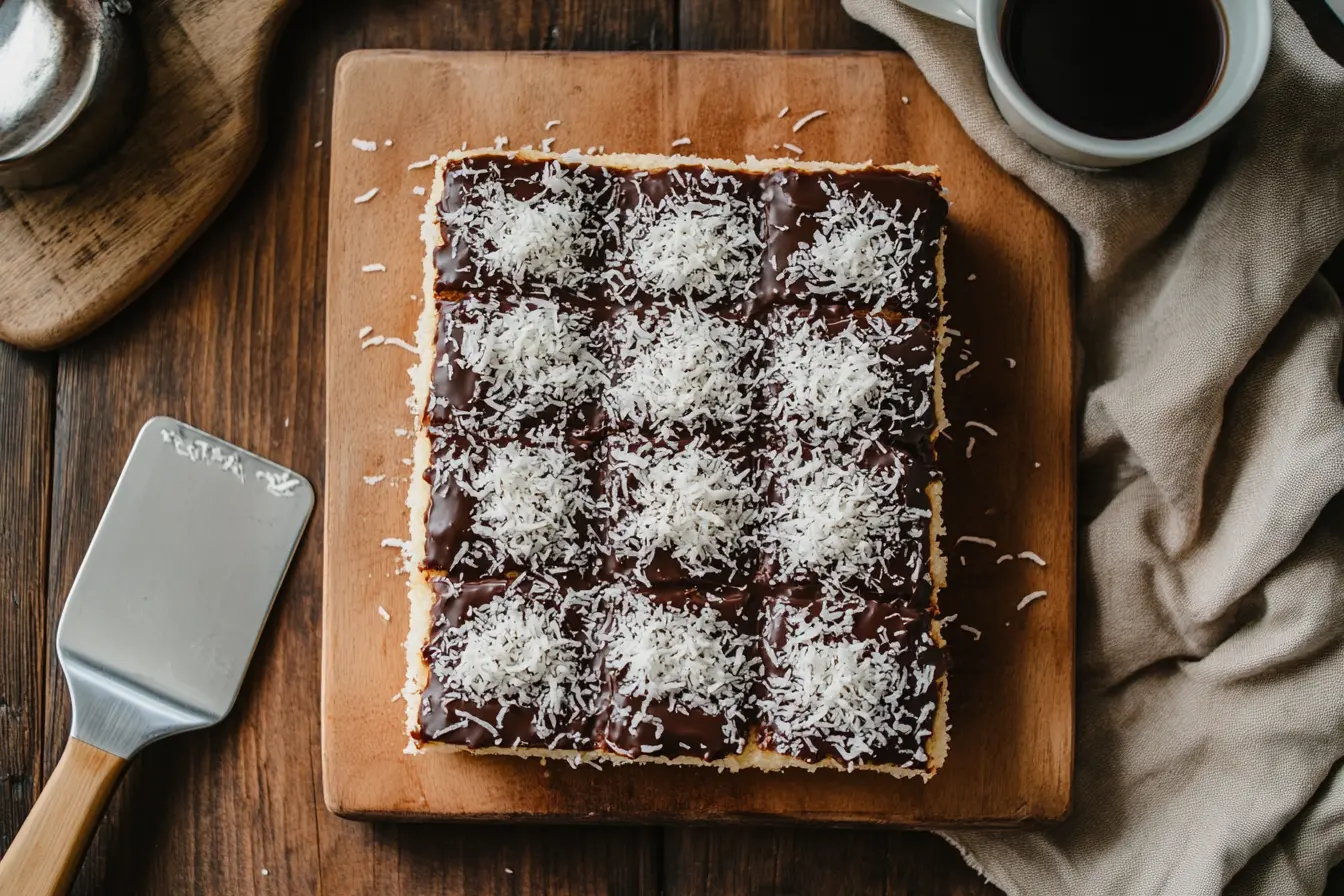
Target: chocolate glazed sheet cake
{"x":676,"y":495}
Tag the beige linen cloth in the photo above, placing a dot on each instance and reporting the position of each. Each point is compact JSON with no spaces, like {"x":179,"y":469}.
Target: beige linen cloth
{"x":1211,"y":606}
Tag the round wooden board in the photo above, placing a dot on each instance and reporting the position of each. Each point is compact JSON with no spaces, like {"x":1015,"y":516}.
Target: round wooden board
{"x":73,"y":255}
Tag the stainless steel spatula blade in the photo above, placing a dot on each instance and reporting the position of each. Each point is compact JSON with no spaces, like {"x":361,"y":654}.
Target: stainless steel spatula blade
{"x":161,"y":620}
{"x":177,"y":583}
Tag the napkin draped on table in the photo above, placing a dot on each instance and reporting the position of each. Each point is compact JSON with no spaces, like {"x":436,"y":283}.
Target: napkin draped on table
{"x":1211,"y":604}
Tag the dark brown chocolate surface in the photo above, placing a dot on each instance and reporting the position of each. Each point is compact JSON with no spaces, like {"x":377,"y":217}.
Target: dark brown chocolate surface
{"x":907,"y":348}
{"x":887,"y":627}
{"x":792,"y":200}
{"x":902,"y":570}
{"x":514,"y":726}
{"x":625,"y":728}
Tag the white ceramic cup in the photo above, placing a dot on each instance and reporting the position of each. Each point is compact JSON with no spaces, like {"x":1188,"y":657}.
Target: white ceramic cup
{"x":1247,"y":49}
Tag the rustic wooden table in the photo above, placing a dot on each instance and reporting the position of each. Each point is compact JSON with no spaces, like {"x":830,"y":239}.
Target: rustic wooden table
{"x":232,"y":340}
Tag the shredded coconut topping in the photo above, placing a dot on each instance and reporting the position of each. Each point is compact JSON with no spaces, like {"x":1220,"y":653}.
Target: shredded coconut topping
{"x":516,"y":650}
{"x":857,"y":695}
{"x":531,"y":502}
{"x":823,"y":386}
{"x":682,"y":368}
{"x":842,"y":524}
{"x":701,"y":240}
{"x":692,"y":502}
{"x":542,"y":238}
{"x":861,"y":247}
{"x":685,"y":657}
{"x":529,"y":359}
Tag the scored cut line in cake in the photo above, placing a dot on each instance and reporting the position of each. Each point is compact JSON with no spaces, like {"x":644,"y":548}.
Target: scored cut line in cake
{"x":660,"y":416}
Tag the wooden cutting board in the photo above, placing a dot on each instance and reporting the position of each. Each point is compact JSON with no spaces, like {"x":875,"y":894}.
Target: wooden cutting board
{"x":1009,"y":295}
{"x":73,"y":255}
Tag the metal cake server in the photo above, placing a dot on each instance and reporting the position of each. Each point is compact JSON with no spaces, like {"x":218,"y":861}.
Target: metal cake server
{"x":160,"y":623}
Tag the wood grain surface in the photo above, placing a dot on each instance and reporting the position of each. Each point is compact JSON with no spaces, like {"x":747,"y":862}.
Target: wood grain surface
{"x":1012,"y":689}
{"x":73,"y":255}
{"x":232,"y":339}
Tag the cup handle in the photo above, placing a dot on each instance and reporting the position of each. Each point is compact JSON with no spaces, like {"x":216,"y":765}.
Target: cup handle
{"x":960,"y":11}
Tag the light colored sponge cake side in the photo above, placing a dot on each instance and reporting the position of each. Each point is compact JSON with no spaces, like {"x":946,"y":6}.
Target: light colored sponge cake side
{"x":420,"y":590}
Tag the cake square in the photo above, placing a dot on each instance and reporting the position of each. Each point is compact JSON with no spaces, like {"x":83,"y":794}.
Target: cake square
{"x":680,"y":510}
{"x":688,"y":232}
{"x":850,"y":680}
{"x":849,"y":522}
{"x":835,"y":374}
{"x":539,"y":227}
{"x":678,"y":669}
{"x":866,"y":239}
{"x":508,"y":506}
{"x":505,"y":366}
{"x":511,"y":665}
{"x":678,"y":371}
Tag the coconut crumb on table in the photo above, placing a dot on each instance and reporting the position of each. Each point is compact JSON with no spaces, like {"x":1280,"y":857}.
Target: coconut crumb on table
{"x":418,"y":190}
{"x":970,"y":446}
{"x":374,"y":268}
{"x":973,"y":632}
{"x":970,"y":276}
{"x":1035,"y":595}
{"x":681,"y":141}
{"x":792,"y":148}
{"x":365,"y":331}
{"x":364,"y":145}
{"x":547,"y":143}
{"x":951,"y":331}
{"x":978,"y":425}
{"x":374,"y":480}
{"x":905,"y":100}
{"x":811,"y":116}
{"x":423,"y":163}
{"x":967,"y":369}
{"x":317,"y":145}
{"x":1032,"y":556}
{"x":782,"y":112}
{"x":1003,"y":559}
{"x":387,"y":142}
{"x":554,"y":122}
{"x":1011,"y":362}
{"x":976,"y":539}
{"x":382,"y":611}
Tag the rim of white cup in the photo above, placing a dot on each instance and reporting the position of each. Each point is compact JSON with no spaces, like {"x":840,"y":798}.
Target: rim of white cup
{"x":1234,"y":89}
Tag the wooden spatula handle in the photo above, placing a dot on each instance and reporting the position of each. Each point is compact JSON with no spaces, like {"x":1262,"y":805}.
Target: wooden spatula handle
{"x":45,"y":856}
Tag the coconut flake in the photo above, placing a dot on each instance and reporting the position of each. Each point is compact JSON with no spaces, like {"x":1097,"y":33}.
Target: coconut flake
{"x":364,"y":145}
{"x":1035,"y":595}
{"x":975,"y":539}
{"x":1032,"y":556}
{"x":811,"y":116}
{"x":365,"y":197}
{"x":822,"y":385}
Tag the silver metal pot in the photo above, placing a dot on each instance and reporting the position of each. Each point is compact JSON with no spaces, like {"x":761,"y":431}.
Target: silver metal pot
{"x":71,"y":74}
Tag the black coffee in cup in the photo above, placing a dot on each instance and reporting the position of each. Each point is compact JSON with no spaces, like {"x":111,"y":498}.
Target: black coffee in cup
{"x":1118,"y":69}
